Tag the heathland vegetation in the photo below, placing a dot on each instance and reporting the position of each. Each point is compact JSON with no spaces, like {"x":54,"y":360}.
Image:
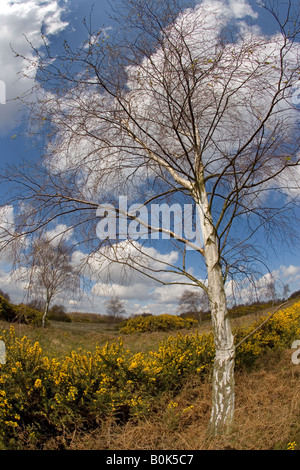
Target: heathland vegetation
{"x":171,"y":112}
{"x":83,"y":384}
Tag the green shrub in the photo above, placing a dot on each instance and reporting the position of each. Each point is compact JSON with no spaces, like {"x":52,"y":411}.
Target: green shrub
{"x":7,"y":311}
{"x":151,"y":323}
{"x":58,"y":313}
{"x":19,"y":313}
{"x":28,"y":315}
{"x":243,"y":310}
{"x":43,"y":398}
{"x":277,"y":333}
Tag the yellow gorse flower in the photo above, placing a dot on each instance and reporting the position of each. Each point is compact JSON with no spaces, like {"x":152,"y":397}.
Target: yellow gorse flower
{"x":38,"y":383}
{"x":87,"y":386}
{"x":291,"y":446}
{"x":162,"y":322}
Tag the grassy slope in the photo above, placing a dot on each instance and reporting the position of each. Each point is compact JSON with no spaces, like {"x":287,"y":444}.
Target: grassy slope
{"x":267,"y":416}
{"x":61,"y":338}
{"x":267,"y":398}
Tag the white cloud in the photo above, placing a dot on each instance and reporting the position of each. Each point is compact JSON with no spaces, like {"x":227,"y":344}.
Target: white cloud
{"x":141,"y":292}
{"x":290,"y":270}
{"x":289,"y":274}
{"x":246,"y":291}
{"x":19,"y":18}
{"x":6,"y":220}
{"x":115,"y":264}
{"x":241,"y":8}
{"x":7,"y":228}
{"x":59,"y":233}
{"x":248,"y":97}
{"x":11,"y":283}
{"x":169,"y":295}
{"x":204,"y":25}
{"x":137,"y":291}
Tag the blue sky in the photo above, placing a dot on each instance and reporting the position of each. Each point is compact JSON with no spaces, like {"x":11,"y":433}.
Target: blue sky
{"x":59,"y":20}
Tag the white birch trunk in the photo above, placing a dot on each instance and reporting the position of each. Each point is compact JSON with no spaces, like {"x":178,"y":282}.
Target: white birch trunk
{"x":223,"y":375}
{"x":45,"y":314}
{"x":223,"y":395}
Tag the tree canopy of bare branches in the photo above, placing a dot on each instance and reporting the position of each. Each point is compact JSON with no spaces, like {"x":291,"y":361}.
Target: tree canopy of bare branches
{"x":115,"y":308}
{"x":193,"y":302}
{"x":49,"y":272}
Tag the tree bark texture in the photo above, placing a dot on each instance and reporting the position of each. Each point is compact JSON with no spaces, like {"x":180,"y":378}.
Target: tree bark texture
{"x":223,"y":396}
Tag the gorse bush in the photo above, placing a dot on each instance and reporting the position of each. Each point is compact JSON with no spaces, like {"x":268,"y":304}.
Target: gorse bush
{"x":7,"y":311}
{"x":27,"y":315}
{"x":277,"y":333}
{"x":162,"y":322}
{"x":19,"y":313}
{"x":43,"y":398}
{"x":242,"y":310}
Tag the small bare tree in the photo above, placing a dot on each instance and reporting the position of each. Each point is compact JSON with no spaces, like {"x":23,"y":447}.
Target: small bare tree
{"x":270,"y":290}
{"x":193,"y":302}
{"x":49,"y":272}
{"x":285,"y":291}
{"x":115,"y":308}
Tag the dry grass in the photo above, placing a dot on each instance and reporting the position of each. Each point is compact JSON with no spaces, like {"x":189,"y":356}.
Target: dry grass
{"x":267,"y":398}
{"x":60,"y":338}
{"x":267,"y":416}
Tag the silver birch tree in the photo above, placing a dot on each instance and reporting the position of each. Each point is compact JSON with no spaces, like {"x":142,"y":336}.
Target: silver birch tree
{"x":48,"y":270}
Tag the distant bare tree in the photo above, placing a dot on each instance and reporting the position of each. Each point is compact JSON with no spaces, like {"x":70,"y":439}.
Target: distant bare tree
{"x":193,"y":302}
{"x":286,"y":291}
{"x":115,"y":308}
{"x":270,"y":290}
{"x":49,"y":272}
